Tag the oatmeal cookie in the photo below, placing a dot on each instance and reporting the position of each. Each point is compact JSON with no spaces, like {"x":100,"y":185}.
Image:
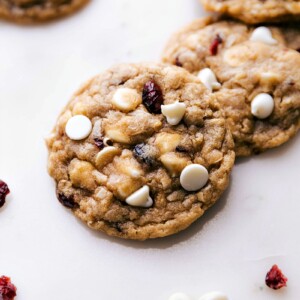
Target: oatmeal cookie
{"x":256,"y":11}
{"x":254,"y":76}
{"x":141,"y":151}
{"x":27,"y":11}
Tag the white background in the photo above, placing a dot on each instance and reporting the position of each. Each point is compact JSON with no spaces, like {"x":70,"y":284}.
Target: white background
{"x":50,"y":254}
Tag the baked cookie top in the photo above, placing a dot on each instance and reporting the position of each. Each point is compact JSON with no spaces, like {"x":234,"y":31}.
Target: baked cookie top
{"x":141,"y":151}
{"x":255,"y":78}
{"x":38,"y":10}
{"x":256,"y":11}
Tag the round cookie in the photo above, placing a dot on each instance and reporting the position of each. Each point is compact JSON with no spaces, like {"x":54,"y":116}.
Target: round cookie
{"x":256,"y":11}
{"x":127,"y":143}
{"x":244,"y":62}
{"x":27,"y":11}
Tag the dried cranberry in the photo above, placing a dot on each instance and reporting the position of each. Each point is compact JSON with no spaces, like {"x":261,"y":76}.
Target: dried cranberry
{"x":181,"y":149}
{"x":152,"y":97}
{"x":275,"y":278}
{"x":178,"y":62}
{"x":7,"y":290}
{"x":117,"y":226}
{"x":4,"y":191}
{"x":67,"y":201}
{"x":143,"y":153}
{"x":99,"y":143}
{"x":215,"y":45}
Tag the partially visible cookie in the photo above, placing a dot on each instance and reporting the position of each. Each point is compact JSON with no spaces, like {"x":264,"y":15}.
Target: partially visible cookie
{"x":256,"y":11}
{"x":38,"y":10}
{"x":255,"y":78}
{"x":141,"y":151}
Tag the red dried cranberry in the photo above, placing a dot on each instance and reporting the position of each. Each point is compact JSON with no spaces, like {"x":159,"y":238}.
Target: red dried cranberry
{"x":7,"y":290}
{"x":275,"y":278}
{"x":215,"y":45}
{"x":67,"y":201}
{"x":152,"y":97}
{"x":99,"y":143}
{"x":4,"y":191}
{"x":178,"y":62}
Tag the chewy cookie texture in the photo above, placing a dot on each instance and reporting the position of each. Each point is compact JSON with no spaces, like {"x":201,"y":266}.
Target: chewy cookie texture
{"x":141,"y":151}
{"x":254,"y":76}
{"x":28,"y":11}
{"x":256,"y":11}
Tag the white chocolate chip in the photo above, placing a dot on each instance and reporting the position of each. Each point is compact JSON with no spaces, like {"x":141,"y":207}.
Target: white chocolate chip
{"x":99,"y":177}
{"x":78,"y":127}
{"x":134,"y":173}
{"x":264,"y":35}
{"x":193,"y":177}
{"x":262,"y":106}
{"x":117,"y":136}
{"x":208,"y":78}
{"x":106,"y":156}
{"x":140,"y":198}
{"x":167,"y":142}
{"x":174,"y":163}
{"x":179,"y":296}
{"x":126,"y":99}
{"x":214,"y":296}
{"x":173,"y":112}
{"x":82,"y":174}
{"x":269,"y":78}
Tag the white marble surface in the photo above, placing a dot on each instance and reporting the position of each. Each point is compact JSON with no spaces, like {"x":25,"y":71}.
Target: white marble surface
{"x":50,"y":255}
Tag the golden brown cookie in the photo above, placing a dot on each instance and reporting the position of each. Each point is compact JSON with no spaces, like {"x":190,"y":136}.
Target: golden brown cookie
{"x":28,"y":11}
{"x":254,"y":76}
{"x":141,"y":151}
{"x":256,"y":11}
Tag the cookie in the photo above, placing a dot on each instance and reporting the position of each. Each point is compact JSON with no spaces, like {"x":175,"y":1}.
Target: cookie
{"x":256,"y":11}
{"x":141,"y":151}
{"x":27,"y":11}
{"x":254,"y":76}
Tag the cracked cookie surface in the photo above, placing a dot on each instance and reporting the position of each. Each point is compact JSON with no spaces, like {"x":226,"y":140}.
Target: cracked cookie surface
{"x":131,"y":145}
{"x":28,"y":11}
{"x":256,"y":11}
{"x":244,"y":69}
